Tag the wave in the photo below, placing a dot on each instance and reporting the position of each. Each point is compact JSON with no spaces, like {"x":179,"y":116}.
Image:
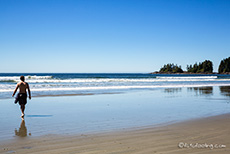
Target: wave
{"x":118,"y":80}
{"x":38,"y":77}
{"x":16,"y":78}
{"x":103,"y":80}
{"x":187,"y":77}
{"x":51,"y":79}
{"x":121,"y":87}
{"x":13,"y":81}
{"x":112,"y":80}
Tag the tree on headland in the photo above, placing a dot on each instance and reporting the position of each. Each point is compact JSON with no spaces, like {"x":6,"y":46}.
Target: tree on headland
{"x":204,"y":67}
{"x":224,"y":66}
{"x":171,"y":68}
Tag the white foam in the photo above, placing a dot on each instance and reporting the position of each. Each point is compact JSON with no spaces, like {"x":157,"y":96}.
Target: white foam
{"x":187,"y":77}
{"x":38,"y":77}
{"x":121,"y":87}
{"x":50,"y":79}
{"x":30,"y":78}
{"x":82,"y":80}
{"x":6,"y":78}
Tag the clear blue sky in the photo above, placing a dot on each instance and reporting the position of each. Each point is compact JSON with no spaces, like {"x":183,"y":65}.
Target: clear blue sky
{"x":96,"y":36}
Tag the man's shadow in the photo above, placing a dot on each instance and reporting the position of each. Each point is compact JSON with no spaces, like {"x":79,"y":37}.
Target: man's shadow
{"x":22,"y":131}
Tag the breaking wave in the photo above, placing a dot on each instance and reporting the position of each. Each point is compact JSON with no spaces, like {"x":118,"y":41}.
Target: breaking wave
{"x":67,"y":83}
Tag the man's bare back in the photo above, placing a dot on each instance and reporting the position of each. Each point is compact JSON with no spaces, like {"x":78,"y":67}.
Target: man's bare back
{"x":22,"y":86}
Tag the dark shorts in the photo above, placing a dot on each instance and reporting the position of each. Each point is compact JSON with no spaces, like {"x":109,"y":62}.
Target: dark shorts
{"x":21,"y":98}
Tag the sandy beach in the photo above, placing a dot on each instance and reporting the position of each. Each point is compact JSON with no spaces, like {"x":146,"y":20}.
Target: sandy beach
{"x":206,"y":135}
{"x":115,"y":77}
{"x":186,"y":120}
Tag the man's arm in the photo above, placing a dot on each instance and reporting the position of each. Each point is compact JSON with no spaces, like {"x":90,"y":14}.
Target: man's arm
{"x":15,"y":90}
{"x":28,"y":90}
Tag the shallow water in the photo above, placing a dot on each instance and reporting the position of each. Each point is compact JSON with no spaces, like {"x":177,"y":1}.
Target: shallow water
{"x":107,"y":112}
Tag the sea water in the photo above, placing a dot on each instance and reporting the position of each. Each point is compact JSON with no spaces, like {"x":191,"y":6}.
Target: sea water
{"x":89,"y":83}
{"x":119,"y":101}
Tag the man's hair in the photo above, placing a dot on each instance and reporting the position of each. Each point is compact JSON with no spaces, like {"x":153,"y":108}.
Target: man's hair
{"x":22,"y":78}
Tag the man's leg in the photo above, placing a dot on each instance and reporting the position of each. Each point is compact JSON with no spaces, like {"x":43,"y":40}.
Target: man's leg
{"x":22,"y":109}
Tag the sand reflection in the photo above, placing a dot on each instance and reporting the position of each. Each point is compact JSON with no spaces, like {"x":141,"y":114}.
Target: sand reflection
{"x":172,"y":90}
{"x":225,"y":90}
{"x":202,"y":90}
{"x":22,"y":131}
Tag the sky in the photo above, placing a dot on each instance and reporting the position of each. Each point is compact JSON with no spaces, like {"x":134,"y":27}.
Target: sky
{"x":111,"y":36}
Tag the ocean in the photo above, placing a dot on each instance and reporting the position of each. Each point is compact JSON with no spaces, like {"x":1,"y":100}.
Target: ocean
{"x":43,"y":84}
{"x":109,"y":102}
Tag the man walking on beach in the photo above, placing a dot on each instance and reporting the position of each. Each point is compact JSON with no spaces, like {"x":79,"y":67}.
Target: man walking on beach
{"x":22,"y":95}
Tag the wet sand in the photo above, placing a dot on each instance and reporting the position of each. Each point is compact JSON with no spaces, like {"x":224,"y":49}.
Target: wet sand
{"x":204,"y":134}
{"x":61,"y":95}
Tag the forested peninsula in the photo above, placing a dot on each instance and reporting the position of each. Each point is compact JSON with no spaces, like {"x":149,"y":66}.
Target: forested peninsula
{"x":205,"y":67}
